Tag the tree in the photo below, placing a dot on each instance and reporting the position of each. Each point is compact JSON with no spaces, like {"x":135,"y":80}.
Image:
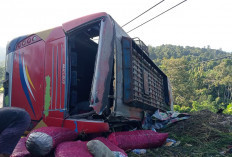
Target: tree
{"x":177,"y":71}
{"x":197,"y":82}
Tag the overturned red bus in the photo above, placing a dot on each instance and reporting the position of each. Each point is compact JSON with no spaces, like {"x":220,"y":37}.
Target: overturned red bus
{"x":87,"y":75}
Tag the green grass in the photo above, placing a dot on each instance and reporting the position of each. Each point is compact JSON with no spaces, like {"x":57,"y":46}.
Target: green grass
{"x":198,"y":148}
{"x":203,"y":135}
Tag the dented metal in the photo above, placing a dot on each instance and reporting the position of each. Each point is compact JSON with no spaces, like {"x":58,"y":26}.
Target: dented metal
{"x":103,"y":67}
{"x":125,"y":81}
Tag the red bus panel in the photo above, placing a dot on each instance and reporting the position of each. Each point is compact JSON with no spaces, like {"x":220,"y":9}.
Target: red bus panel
{"x":28,"y":79}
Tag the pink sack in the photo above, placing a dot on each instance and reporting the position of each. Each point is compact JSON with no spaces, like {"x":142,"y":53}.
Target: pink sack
{"x":70,"y":149}
{"x":139,"y":139}
{"x":41,"y":141}
{"x":20,"y":149}
{"x":110,"y":145}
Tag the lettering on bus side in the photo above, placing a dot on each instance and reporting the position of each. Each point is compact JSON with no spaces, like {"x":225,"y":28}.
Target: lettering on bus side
{"x":63,"y":74}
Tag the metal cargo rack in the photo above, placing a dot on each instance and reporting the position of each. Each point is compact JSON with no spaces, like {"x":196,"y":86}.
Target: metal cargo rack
{"x":141,"y":44}
{"x":145,"y":85}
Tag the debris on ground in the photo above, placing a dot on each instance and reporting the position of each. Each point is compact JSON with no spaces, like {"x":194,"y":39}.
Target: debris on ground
{"x":170,"y":142}
{"x":204,"y":134}
{"x":44,"y":141}
{"x":139,"y":151}
{"x":160,"y":120}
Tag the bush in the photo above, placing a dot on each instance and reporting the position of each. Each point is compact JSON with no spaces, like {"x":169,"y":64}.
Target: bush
{"x":228,"y":109}
{"x":182,"y":108}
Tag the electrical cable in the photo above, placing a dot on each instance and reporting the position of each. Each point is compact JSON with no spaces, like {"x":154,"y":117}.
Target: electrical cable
{"x":157,"y":16}
{"x":143,"y":12}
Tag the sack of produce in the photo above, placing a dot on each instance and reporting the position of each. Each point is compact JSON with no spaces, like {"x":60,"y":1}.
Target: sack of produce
{"x":41,"y":141}
{"x":74,"y":148}
{"x":99,"y":149}
{"x":20,"y":149}
{"x":139,"y":139}
{"x":111,"y":146}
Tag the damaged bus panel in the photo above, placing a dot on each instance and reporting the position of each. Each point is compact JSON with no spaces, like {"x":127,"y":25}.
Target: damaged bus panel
{"x":87,"y":75}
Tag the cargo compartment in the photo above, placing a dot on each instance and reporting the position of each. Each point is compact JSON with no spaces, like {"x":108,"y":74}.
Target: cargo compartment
{"x":145,"y":85}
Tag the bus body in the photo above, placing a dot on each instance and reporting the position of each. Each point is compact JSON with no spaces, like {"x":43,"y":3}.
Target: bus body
{"x":87,"y":75}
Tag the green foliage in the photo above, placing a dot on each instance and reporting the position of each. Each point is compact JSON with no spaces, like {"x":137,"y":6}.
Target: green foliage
{"x":2,"y":75}
{"x":182,"y":109}
{"x":196,"y":84}
{"x":1,"y":90}
{"x":228,"y":109}
{"x":204,"y":105}
{"x":177,"y":108}
{"x":6,"y":100}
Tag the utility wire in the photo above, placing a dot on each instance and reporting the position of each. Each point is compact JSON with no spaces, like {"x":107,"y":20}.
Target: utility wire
{"x":157,"y":16}
{"x":202,"y":62}
{"x":143,"y":12}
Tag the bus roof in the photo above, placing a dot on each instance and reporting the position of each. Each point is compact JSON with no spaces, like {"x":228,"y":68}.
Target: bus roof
{"x":56,"y":32}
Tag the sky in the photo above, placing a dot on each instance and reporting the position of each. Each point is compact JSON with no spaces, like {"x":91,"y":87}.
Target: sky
{"x":197,"y":23}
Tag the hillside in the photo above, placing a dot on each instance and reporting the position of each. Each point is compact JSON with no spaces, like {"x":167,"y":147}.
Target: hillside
{"x":190,"y":53}
{"x":200,"y":77}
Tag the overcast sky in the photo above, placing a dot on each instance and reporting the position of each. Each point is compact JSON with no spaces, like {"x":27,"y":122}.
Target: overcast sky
{"x":194,"y":23}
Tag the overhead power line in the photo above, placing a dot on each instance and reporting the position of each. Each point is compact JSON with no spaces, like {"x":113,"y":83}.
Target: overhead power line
{"x":157,"y":16}
{"x":202,"y":62}
{"x":143,"y":13}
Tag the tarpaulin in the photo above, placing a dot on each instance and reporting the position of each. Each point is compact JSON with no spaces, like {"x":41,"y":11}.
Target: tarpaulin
{"x":160,"y":120}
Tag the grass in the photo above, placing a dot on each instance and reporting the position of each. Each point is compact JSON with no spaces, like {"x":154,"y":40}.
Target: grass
{"x":205,"y":134}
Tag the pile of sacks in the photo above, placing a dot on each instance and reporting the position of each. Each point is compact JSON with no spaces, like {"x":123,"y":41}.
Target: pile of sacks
{"x":62,"y":142}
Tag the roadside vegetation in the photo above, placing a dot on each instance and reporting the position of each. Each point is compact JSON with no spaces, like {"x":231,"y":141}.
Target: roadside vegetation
{"x":201,"y":81}
{"x":2,"y":75}
{"x":204,"y":134}
{"x":201,"y":78}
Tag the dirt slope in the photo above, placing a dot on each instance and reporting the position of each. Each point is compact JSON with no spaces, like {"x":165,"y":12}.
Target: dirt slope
{"x":203,"y":134}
